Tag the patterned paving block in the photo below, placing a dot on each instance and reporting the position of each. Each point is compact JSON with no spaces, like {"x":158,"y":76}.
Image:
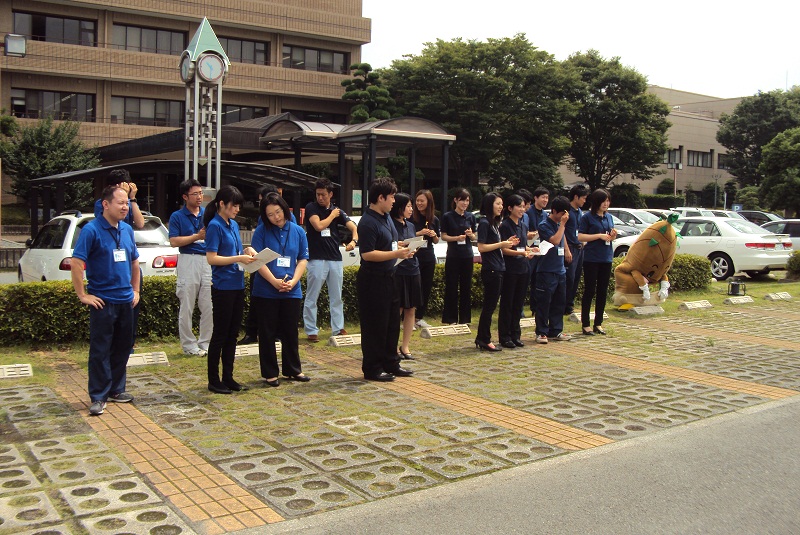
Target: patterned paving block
{"x":54,"y":448}
{"x":226,"y":447}
{"x":422,"y":413}
{"x":59,"y":529}
{"x":104,"y":496}
{"x":647,"y":394}
{"x":16,"y":394}
{"x":660,"y":416}
{"x":562,"y":411}
{"x":26,"y":510}
{"x":38,"y":429}
{"x":332,"y":409}
{"x":338,"y":455}
{"x":13,"y":371}
{"x":560,"y":390}
{"x":80,"y":469}
{"x":681,"y":386}
{"x":386,"y":479}
{"x":153,"y":520}
{"x":148,"y":359}
{"x":599,"y":383}
{"x":407,"y":441}
{"x":260,"y":470}
{"x":188,"y":427}
{"x":365,"y":424}
{"x":698,"y":406}
{"x":36,"y":409}
{"x":147,"y":382}
{"x":518,"y":449}
{"x":17,"y":478}
{"x":294,"y":436}
{"x":743,"y":374}
{"x":730,"y":397}
{"x":458,"y":461}
{"x":615,"y":427}
{"x":467,"y":429}
{"x":636,"y":376}
{"x":309,"y":495}
{"x":607,"y":402}
{"x":10,"y":456}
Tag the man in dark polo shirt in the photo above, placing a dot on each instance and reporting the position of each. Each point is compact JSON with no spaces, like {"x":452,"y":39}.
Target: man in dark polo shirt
{"x":551,"y":277}
{"x":107,"y":252}
{"x":378,"y":306}
{"x":541,"y":196}
{"x":573,"y":254}
{"x":186,"y":231}
{"x":324,"y":259}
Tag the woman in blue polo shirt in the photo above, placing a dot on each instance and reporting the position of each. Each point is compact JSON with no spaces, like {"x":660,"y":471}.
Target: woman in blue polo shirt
{"x":224,"y":252}
{"x":277,"y":296}
{"x":596,"y":229}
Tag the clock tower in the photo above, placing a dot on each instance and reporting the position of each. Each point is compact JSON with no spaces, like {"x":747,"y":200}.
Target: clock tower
{"x":203,"y":68}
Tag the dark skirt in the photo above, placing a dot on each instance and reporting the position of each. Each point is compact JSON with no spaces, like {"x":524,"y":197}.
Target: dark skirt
{"x":409,"y":290}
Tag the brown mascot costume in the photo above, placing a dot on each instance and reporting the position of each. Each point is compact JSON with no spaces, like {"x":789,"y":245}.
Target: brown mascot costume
{"x":647,"y":262}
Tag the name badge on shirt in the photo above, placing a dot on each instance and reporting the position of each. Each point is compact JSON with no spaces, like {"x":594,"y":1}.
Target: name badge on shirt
{"x":394,"y":246}
{"x":462,"y":242}
{"x":284,"y":261}
{"x":119,"y":255}
{"x":326,"y":233}
{"x":560,"y":251}
{"x":521,"y":249}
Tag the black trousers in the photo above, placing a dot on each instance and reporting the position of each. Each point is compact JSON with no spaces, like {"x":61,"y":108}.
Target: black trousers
{"x":426,"y":271}
{"x":379,"y":313}
{"x":595,"y":282}
{"x":492,"y":286}
{"x":277,"y":318}
{"x":574,"y":274}
{"x":512,"y":301}
{"x":457,"y":291}
{"x":228,"y":308}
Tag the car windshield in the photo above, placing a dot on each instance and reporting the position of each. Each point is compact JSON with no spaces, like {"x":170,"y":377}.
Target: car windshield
{"x":154,"y":234}
{"x":745,"y":227}
{"x":647,"y":217}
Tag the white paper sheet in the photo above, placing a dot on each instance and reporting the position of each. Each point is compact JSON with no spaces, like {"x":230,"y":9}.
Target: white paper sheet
{"x":262,"y":258}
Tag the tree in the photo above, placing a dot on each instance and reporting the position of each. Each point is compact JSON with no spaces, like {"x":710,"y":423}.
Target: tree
{"x":503,"y":99}
{"x":42,"y":149}
{"x":753,"y":124}
{"x":8,"y":124}
{"x":748,"y":198}
{"x":666,"y":187}
{"x":627,"y":195}
{"x":619,"y":128}
{"x":372,"y":101}
{"x":780,"y":166}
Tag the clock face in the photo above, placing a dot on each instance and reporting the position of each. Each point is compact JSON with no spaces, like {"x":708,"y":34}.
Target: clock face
{"x":187,"y":68}
{"x":211,"y":67}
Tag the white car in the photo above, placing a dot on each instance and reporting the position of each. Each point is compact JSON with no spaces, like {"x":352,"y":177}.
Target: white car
{"x":640,"y":219}
{"x":49,"y":254}
{"x":786,"y":226}
{"x":733,"y":245}
{"x":621,"y":245}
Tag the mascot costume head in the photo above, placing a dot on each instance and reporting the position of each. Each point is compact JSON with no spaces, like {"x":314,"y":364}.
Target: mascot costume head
{"x":647,"y":262}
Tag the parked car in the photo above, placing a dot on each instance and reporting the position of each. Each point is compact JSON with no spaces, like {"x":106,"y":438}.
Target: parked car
{"x":621,"y":245}
{"x":728,"y":213}
{"x":623,"y":229}
{"x":49,"y":254}
{"x":661,"y":214}
{"x":758,"y":217}
{"x":733,"y":245}
{"x":689,"y":211}
{"x":640,"y":219}
{"x":786,"y":226}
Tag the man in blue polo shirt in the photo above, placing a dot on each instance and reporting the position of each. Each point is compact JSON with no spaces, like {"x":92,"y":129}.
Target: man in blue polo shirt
{"x":186,"y":231}
{"x":551,"y":276}
{"x":106,"y":251}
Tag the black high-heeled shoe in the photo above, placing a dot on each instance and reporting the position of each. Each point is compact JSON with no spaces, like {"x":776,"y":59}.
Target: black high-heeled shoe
{"x":405,"y":356}
{"x":599,"y":330}
{"x":483,"y":346}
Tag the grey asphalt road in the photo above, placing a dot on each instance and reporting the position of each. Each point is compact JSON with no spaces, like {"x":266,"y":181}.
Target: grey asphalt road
{"x":734,"y":474}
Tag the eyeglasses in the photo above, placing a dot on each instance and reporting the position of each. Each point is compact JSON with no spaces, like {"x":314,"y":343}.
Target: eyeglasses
{"x":195,"y":194}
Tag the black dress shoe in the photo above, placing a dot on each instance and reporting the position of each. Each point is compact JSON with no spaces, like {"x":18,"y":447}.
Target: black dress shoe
{"x":405,"y":356}
{"x":273,"y":383}
{"x":219,"y":388}
{"x":599,"y":330}
{"x":587,"y":332}
{"x":402,"y":372}
{"x":301,"y":378}
{"x":383,"y":377}
{"x":247,"y":340}
{"x":234,"y":386}
{"x":509,"y":344}
{"x":568,"y":311}
{"x":483,"y":346}
{"x":518,"y":343}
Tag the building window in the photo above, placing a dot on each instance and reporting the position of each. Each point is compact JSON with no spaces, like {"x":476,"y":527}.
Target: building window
{"x":723,"y":161}
{"x":310,"y":59}
{"x":319,"y":117}
{"x":231,"y":113}
{"x":243,"y":51}
{"x":56,"y":29}
{"x":147,"y":111}
{"x":139,"y":39}
{"x":673,"y":156}
{"x":61,"y":106}
{"x":698,"y":159}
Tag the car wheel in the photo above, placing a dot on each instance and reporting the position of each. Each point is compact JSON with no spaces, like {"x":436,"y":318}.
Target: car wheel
{"x":621,"y":251}
{"x":721,"y":266}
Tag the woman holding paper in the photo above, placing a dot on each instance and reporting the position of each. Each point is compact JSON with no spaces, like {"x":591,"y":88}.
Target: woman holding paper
{"x":407,"y":282}
{"x":596,"y":229}
{"x":226,"y":255}
{"x":277,"y":295}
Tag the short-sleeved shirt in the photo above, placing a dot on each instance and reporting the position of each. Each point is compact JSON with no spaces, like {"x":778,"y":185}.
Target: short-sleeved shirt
{"x":516,"y":265}
{"x":489,"y":234}
{"x":455,"y":224}
{"x":324,"y":247}
{"x":98,"y":211}
{"x":535,"y":217}
{"x":376,"y":232}
{"x":184,"y":223}
{"x":427,"y":255}
{"x":109,"y":274}
{"x":552,"y":262}
{"x":571,"y":226}
{"x":406,"y":231}
{"x":597,"y":250}
{"x":291,"y":243}
{"x":223,"y":238}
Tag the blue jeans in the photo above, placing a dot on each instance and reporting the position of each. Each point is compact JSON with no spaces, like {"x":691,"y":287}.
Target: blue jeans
{"x":317,"y":273}
{"x":110,"y":340}
{"x":551,"y":294}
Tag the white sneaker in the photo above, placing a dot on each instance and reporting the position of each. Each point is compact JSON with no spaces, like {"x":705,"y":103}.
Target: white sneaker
{"x":197,"y":352}
{"x":561,"y":338}
{"x":422,"y":324}
{"x":541,"y":339}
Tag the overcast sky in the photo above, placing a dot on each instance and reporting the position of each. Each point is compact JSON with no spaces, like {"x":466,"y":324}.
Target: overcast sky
{"x":721,"y":49}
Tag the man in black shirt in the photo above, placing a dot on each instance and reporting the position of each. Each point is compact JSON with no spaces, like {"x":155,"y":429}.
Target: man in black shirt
{"x":325,"y":261}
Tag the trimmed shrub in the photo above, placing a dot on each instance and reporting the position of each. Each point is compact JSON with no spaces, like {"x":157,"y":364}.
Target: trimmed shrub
{"x":793,"y":266}
{"x":662,"y":202}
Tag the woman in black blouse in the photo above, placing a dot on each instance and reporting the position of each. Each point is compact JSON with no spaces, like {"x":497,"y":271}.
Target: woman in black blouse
{"x":427,"y":225}
{"x":492,"y":266}
{"x":458,"y":229}
{"x":515,"y":282}
{"x":406,"y":278}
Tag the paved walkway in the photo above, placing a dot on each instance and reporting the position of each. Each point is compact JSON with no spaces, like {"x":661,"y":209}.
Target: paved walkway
{"x":181,"y":460}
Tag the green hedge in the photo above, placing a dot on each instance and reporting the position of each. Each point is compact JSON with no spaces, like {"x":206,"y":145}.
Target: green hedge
{"x":49,"y":312}
{"x":662,"y":202}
